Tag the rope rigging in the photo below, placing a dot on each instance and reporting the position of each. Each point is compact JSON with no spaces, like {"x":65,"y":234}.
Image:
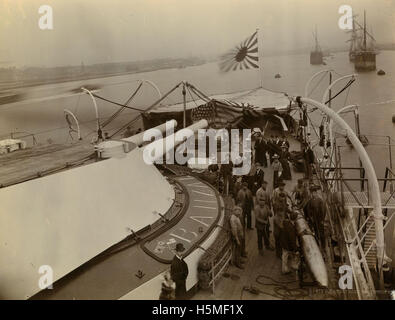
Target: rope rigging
{"x":116,"y":103}
{"x":190,"y":94}
{"x":349,"y":83}
{"x":143,"y":111}
{"x":119,"y":111}
{"x":324,"y":145}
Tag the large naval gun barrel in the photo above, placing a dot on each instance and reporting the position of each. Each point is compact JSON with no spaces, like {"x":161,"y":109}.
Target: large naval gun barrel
{"x":155,"y":150}
{"x":157,"y":132}
{"x":311,"y":251}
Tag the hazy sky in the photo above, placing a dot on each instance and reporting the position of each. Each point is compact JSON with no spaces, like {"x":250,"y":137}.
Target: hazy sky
{"x":95,"y":31}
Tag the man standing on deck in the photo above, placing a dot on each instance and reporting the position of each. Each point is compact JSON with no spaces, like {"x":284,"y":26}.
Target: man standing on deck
{"x":284,"y":160}
{"x":281,"y":209}
{"x":315,"y":214}
{"x":226,"y":171}
{"x":250,"y":178}
{"x":237,"y":236}
{"x":245,"y":198}
{"x":237,"y":186}
{"x":263,"y":195}
{"x":300,"y":194}
{"x":179,"y":272}
{"x":280,"y":190}
{"x":270,"y":150}
{"x":262,"y":213}
{"x":288,"y":241}
{"x":260,"y":151}
{"x":277,"y":229}
{"x":309,"y":158}
{"x":277,"y":170}
{"x":259,"y":176}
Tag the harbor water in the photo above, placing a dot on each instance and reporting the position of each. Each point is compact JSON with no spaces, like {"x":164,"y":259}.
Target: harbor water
{"x":41,"y":111}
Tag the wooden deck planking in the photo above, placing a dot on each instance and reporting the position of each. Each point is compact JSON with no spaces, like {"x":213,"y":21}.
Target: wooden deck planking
{"x":29,"y":163}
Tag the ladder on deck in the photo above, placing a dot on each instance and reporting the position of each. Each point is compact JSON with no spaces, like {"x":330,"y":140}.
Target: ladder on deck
{"x":360,"y":234}
{"x":368,"y":244}
{"x":367,"y":230}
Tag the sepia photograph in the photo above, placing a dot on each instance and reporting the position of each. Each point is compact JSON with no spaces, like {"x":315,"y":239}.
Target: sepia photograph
{"x":215,"y":151}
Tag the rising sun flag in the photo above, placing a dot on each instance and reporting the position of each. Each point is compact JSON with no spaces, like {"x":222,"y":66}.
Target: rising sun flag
{"x":243,"y":56}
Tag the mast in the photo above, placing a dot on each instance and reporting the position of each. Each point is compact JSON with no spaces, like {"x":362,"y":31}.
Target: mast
{"x":184,"y":114}
{"x":364,"y":30}
{"x":353,"y":37}
{"x":260,"y":69}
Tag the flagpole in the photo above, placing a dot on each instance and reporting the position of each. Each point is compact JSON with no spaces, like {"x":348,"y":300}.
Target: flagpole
{"x":260,"y":69}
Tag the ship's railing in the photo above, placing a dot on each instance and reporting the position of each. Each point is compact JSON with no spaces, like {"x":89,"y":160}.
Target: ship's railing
{"x":218,"y":267}
{"x":378,"y":141}
{"x":390,"y":143}
{"x":388,"y":176}
{"x":215,"y":260}
{"x":23,"y":135}
{"x":218,"y":256}
{"x":344,"y":227}
{"x":356,"y":231}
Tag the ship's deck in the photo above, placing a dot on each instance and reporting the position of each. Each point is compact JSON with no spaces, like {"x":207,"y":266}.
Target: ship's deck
{"x":116,"y":272}
{"x":34,"y":162}
{"x":263,"y":272}
{"x":114,"y":276}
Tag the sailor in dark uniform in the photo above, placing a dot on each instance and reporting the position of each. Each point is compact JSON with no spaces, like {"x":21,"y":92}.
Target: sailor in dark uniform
{"x":260,"y":151}
{"x":179,"y":272}
{"x":315,"y":214}
{"x":284,"y":156}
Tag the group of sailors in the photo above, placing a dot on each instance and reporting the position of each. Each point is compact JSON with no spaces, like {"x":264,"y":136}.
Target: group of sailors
{"x":275,"y":149}
{"x":283,"y":207}
{"x":277,"y":209}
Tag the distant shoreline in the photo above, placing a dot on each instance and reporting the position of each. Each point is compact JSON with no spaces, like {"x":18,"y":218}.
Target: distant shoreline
{"x":98,"y":76}
{"x":92,"y":72}
{"x":88,"y":73}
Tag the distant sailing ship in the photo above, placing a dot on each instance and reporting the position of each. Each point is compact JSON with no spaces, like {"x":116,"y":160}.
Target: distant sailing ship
{"x":353,"y":42}
{"x":316,"y":56}
{"x":362,"y":54}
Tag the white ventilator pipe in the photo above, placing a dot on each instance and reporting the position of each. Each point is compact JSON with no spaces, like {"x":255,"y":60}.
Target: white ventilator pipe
{"x":94,"y":105}
{"x":68,"y":112}
{"x":325,"y":98}
{"x":306,"y":88}
{"x":157,"y":149}
{"x":155,"y":132}
{"x":369,"y":169}
{"x":153,"y":85}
